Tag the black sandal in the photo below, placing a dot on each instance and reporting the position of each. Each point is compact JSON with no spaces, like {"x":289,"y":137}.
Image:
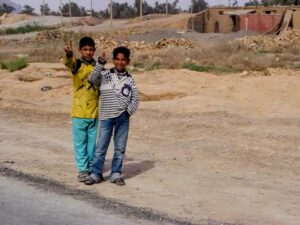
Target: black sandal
{"x":82,"y":176}
{"x":90,"y":181}
{"x":119,"y":181}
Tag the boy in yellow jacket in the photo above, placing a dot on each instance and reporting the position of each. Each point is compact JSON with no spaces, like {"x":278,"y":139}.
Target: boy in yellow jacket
{"x":85,"y":105}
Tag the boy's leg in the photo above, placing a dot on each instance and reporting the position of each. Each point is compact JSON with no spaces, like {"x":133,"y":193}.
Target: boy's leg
{"x":104,"y":136}
{"x":92,"y":137}
{"x":79,"y":128}
{"x":120,"y":142}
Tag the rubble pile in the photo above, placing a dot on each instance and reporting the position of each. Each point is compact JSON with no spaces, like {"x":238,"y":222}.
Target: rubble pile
{"x":259,"y":43}
{"x":108,"y":43}
{"x":53,"y":34}
{"x":182,"y":42}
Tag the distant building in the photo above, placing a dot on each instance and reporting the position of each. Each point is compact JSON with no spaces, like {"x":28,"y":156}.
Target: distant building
{"x":257,"y":19}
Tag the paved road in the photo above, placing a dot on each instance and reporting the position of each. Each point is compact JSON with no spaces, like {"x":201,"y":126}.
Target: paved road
{"x":21,"y":204}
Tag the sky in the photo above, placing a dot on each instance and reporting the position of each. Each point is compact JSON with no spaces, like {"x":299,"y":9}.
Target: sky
{"x":102,"y":4}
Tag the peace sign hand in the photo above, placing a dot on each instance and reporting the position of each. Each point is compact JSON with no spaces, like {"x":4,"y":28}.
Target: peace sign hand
{"x":102,"y":59}
{"x":69,"y":49}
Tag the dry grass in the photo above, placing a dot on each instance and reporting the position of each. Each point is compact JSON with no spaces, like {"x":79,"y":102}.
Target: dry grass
{"x":224,"y":58}
{"x":50,"y":54}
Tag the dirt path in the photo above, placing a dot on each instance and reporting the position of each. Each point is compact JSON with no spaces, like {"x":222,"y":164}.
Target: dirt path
{"x":203,"y":148}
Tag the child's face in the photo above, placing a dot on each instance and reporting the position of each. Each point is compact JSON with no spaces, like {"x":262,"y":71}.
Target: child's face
{"x":87,"y":52}
{"x":120,"y":62}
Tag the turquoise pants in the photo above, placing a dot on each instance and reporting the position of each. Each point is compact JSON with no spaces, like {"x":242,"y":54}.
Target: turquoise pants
{"x":84,"y":141}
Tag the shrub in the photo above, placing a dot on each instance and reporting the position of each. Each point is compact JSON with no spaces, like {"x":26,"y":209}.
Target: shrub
{"x":13,"y":65}
{"x":27,"y":28}
{"x":209,"y":68}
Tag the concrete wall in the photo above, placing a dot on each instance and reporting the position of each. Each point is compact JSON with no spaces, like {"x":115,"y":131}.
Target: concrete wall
{"x":296,"y":20}
{"x":216,"y":16}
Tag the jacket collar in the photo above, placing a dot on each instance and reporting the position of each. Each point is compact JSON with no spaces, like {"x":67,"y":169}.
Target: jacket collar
{"x":125,"y":73}
{"x":91,"y":62}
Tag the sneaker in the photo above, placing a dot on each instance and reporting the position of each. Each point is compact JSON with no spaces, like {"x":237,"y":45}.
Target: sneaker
{"x":90,"y":180}
{"x":82,"y":176}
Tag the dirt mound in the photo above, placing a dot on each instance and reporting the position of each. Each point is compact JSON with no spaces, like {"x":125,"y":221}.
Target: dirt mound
{"x":91,"y":21}
{"x":155,"y":35}
{"x":178,"y":21}
{"x":15,"y":18}
{"x":258,"y":43}
{"x":149,"y":17}
{"x":87,"y":21}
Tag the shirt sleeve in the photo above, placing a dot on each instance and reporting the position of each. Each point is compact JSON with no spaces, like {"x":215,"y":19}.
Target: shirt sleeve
{"x":70,"y":62}
{"x":134,"y":101}
{"x":96,"y":75}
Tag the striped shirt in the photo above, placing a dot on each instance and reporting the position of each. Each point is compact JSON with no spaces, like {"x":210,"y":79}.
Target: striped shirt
{"x":118,"y":92}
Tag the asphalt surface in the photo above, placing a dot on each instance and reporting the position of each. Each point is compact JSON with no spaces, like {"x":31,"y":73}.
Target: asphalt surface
{"x":22,"y":204}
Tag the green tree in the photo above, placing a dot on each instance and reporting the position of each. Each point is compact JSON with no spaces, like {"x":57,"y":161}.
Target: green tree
{"x":54,"y":13}
{"x":235,"y":4}
{"x":252,"y":3}
{"x":123,"y":10}
{"x":104,"y":13}
{"x":161,"y":7}
{"x":198,"y":5}
{"x":271,"y":2}
{"x":76,"y":11}
{"x":27,"y":9}
{"x":45,"y":9}
{"x":4,"y":8}
{"x":83,"y":11}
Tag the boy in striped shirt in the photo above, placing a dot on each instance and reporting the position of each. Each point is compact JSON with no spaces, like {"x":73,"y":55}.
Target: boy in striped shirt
{"x":119,"y":100}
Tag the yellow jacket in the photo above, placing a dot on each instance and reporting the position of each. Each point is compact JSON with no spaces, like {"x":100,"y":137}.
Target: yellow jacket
{"x":85,"y":96}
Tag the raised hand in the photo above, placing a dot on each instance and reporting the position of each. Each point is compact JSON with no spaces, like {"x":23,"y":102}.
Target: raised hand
{"x":102,"y":58}
{"x":69,"y":48}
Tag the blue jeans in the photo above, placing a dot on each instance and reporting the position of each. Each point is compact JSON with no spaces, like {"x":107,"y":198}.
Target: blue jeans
{"x":84,"y":141}
{"x":120,"y":126}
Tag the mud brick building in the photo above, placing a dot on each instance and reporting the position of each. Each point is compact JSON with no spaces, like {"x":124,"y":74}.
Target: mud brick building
{"x":257,"y":19}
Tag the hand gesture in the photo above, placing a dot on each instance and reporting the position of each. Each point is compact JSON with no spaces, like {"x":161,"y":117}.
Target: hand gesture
{"x":102,"y":59}
{"x":69,"y":48}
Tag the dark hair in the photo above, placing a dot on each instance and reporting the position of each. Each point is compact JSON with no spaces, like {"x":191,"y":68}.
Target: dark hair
{"x":123,"y":50}
{"x":86,"y":41}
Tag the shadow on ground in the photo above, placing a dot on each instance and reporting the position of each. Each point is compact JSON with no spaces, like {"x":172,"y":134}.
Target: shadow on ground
{"x":131,"y":168}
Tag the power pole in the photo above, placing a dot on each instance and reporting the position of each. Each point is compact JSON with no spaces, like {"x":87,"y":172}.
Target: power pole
{"x":43,"y":10}
{"x":91,"y":8}
{"x":70,"y":12}
{"x":111,"y":13}
{"x":141,"y":8}
{"x":61,"y":15}
{"x":167,"y":7}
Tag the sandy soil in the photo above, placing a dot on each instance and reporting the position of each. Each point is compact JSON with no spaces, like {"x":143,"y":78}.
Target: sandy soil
{"x":202,"y":147}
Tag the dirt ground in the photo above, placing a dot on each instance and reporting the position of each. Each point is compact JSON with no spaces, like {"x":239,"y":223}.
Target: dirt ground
{"x":202,"y":147}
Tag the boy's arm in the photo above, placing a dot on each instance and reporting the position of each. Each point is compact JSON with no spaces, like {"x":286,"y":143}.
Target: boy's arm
{"x":69,"y":60}
{"x":96,"y":75}
{"x":134,"y":103}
